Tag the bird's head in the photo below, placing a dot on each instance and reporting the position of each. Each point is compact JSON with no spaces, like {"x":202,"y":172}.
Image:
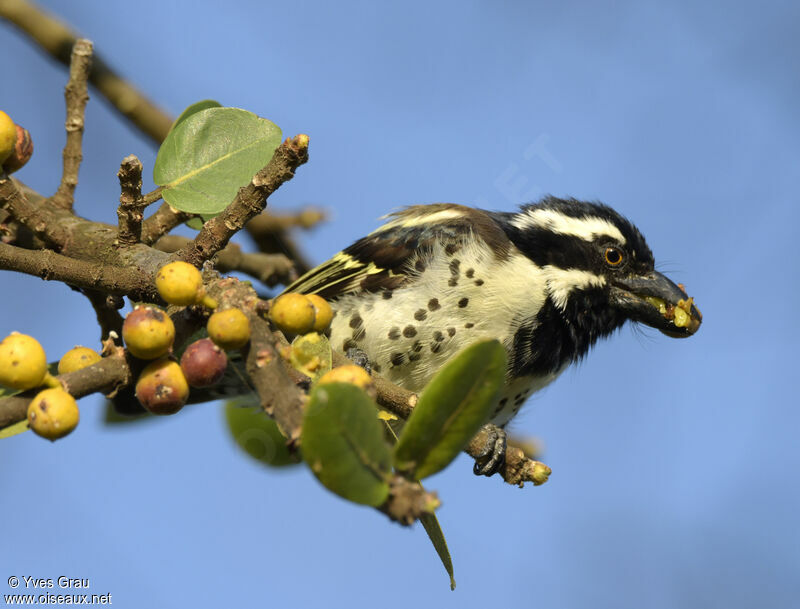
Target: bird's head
{"x":598,"y":268}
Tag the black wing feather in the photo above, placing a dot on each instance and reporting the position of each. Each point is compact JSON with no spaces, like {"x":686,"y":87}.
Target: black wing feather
{"x":391,"y":256}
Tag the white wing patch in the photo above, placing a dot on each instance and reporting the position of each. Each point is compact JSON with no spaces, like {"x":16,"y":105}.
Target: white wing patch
{"x":586,"y":228}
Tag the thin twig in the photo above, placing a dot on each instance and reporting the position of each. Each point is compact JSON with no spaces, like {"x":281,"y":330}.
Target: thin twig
{"x":57,"y":39}
{"x":152,"y":196}
{"x":269,"y":222}
{"x":76,"y":94}
{"x":249,"y":202}
{"x":278,"y":394}
{"x":131,"y":208}
{"x":517,"y":469}
{"x":105,"y":376}
{"x":269,"y":269}
{"x":161,"y":222}
{"x":37,"y":217}
{"x":106,"y":307}
{"x":79,"y":273}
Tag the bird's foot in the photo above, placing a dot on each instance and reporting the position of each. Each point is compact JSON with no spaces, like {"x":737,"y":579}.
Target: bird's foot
{"x":493,"y":454}
{"x":359,"y":358}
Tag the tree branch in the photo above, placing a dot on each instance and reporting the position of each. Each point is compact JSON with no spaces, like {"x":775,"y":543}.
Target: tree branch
{"x":105,"y":376}
{"x":161,"y":222}
{"x":518,"y":468}
{"x":57,"y":40}
{"x":249,"y":202}
{"x":49,"y":266}
{"x":272,"y":236}
{"x":41,"y":221}
{"x":131,"y":207}
{"x":76,"y":95}
{"x":268,"y":223}
{"x":106,"y":308}
{"x":269,"y":269}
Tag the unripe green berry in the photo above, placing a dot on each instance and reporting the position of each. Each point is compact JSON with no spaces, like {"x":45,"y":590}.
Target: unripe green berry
{"x":293,"y":313}
{"x":229,"y":329}
{"x":23,"y":363}
{"x":77,"y":358}
{"x":53,"y":413}
{"x":148,"y":332}
{"x":162,"y":387}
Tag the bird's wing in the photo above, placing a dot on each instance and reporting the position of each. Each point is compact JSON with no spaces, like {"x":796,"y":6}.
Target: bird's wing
{"x":390,"y":256}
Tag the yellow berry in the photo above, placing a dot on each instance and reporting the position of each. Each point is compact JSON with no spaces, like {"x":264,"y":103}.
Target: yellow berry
{"x":229,"y":329}
{"x":179,"y":283}
{"x":351,"y":374}
{"x":162,"y":387}
{"x":148,"y":332}
{"x":53,"y":413}
{"x":77,"y":358}
{"x":23,"y":364}
{"x":323,"y":313}
{"x":8,"y":136}
{"x":293,"y":313}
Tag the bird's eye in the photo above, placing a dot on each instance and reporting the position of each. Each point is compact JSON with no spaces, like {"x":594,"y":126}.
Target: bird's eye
{"x":614,"y":256}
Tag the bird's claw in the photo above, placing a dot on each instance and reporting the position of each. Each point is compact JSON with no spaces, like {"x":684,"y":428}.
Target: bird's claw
{"x":359,"y":358}
{"x":493,"y":455}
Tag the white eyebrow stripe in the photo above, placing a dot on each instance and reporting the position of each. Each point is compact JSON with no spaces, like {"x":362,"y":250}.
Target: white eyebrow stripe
{"x":561,"y":282}
{"x":586,"y":228}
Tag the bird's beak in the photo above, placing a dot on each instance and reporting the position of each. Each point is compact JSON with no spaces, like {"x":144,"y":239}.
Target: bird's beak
{"x":654,"y":300}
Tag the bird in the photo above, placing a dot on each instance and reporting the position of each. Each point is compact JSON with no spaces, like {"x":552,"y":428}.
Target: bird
{"x":547,"y":281}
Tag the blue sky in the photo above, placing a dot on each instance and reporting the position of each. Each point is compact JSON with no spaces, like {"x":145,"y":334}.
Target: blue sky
{"x":675,"y":462}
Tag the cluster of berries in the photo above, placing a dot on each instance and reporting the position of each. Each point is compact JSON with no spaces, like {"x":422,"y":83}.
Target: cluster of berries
{"x":304,"y":315}
{"x":148,"y":332}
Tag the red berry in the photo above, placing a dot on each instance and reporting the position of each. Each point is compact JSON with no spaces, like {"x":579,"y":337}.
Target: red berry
{"x":203,"y":363}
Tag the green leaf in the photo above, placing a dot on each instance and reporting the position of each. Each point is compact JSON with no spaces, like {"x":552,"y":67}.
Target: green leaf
{"x":451,"y":409}
{"x":6,"y":392}
{"x":257,"y":434}
{"x":195,"y":107}
{"x":343,"y":443}
{"x":196,"y":223}
{"x":112,"y":417}
{"x":12,"y":430}
{"x":435,"y":534}
{"x":210,"y":154}
{"x":311,"y":355}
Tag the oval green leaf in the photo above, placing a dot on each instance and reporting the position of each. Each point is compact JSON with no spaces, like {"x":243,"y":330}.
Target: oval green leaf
{"x":451,"y":409}
{"x":343,"y":443}
{"x":258,"y":435}
{"x":12,"y":430}
{"x":195,"y":223}
{"x":195,"y":107}
{"x":210,"y":154}
{"x":436,"y":535}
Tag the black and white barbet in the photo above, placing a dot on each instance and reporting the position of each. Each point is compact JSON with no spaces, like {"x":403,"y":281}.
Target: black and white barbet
{"x":547,"y":281}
